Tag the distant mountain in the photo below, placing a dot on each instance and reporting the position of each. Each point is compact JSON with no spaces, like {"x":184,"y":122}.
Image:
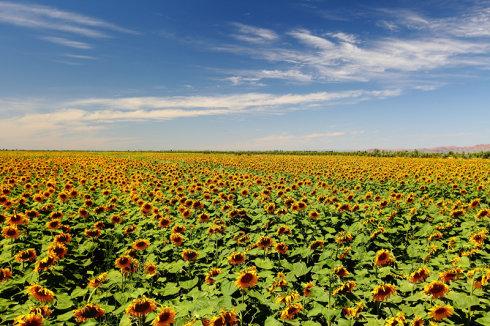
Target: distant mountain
{"x":457,"y":149}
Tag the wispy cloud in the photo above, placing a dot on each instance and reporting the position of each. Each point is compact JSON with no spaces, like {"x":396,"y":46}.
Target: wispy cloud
{"x":474,"y":23}
{"x":66,"y":42}
{"x":90,"y":116}
{"x":80,"y":56}
{"x":337,"y":56}
{"x":253,"y":34}
{"x":254,"y":77}
{"x":50,"y":18}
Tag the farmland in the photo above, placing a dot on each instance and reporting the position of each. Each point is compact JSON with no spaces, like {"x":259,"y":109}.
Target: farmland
{"x":251,"y":239}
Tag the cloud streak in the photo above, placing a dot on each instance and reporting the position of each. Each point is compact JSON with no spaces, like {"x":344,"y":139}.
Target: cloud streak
{"x":66,"y":42}
{"x":254,"y":34}
{"x":49,"y":18}
{"x":437,"y":44}
{"x":90,"y":116}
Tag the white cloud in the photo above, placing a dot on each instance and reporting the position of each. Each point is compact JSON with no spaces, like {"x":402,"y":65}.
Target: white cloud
{"x":254,"y":34}
{"x":474,"y":23}
{"x":50,"y":18}
{"x":254,"y":77}
{"x":79,"y":56}
{"x":67,"y":42}
{"x":88,"y":117}
{"x":453,"y":42}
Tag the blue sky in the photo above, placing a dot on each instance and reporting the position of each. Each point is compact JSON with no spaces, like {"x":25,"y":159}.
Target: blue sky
{"x":244,"y":75}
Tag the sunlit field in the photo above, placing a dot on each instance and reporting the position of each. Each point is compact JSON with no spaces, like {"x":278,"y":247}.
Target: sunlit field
{"x":243,"y":239}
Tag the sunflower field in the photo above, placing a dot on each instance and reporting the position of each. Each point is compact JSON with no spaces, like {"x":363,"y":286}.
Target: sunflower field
{"x":243,"y":239}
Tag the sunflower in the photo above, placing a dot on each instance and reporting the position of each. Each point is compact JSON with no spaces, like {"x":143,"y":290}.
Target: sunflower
{"x":436,"y":289}
{"x":29,"y":320}
{"x":140,"y":244}
{"x":179,"y":229}
{"x":92,"y":233}
{"x":419,"y":275}
{"x":40,"y":293}
{"x":288,"y":298}
{"x":317,"y":244}
{"x":5,"y":274}
{"x":165,"y":317}
{"x":150,"y":268}
{"x":98,"y":280}
{"x":282,"y":248}
{"x":417,"y":321}
{"x":478,"y":238}
{"x":189,"y":255}
{"x":57,"y":250}
{"x":398,"y":320}
{"x":236,"y":258}
{"x":116,"y":219}
{"x":87,"y":312}
{"x":45,"y":264}
{"x":384,"y":257}
{"x":203,"y":218}
{"x":383,"y":292}
{"x":53,"y":224}
{"x":343,"y":237}
{"x":17,"y":219}
{"x":283,"y":230}
{"x":307,"y":289}
{"x":164,"y":222}
{"x":62,"y":238}
{"x":213,"y":272}
{"x":313,"y":215}
{"x":141,"y":307}
{"x":247,"y":278}
{"x":341,"y":271}
{"x":177,"y":239}
{"x":353,"y":312}
{"x":43,"y":311}
{"x":264,"y":242}
{"x":450,"y":275}
{"x":291,"y":311}
{"x":131,"y":268}
{"x":123,"y":261}
{"x":344,"y":288}
{"x":441,"y":312}
{"x":10,"y":232}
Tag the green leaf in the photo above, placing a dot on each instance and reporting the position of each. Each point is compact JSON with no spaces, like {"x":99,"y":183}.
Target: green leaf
{"x":189,"y":284}
{"x":63,"y":301}
{"x":300,"y":269}
{"x":271,"y":321}
{"x":264,"y":263}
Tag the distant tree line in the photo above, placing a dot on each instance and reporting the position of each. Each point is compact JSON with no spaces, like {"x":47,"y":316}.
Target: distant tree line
{"x":374,"y":153}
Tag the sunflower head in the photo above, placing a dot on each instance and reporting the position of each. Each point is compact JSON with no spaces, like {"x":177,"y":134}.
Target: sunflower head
{"x":384,"y":257}
{"x":291,"y":311}
{"x":29,"y":320}
{"x":282,"y":248}
{"x":40,"y":293}
{"x":87,"y":312}
{"x":247,"y":278}
{"x":140,"y":244}
{"x":383,"y":292}
{"x":141,"y":307}
{"x":165,"y":317}
{"x":441,"y":312}
{"x":436,"y":289}
{"x":5,"y":274}
{"x":189,"y":255}
{"x":419,"y":275}
{"x":236,"y":258}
